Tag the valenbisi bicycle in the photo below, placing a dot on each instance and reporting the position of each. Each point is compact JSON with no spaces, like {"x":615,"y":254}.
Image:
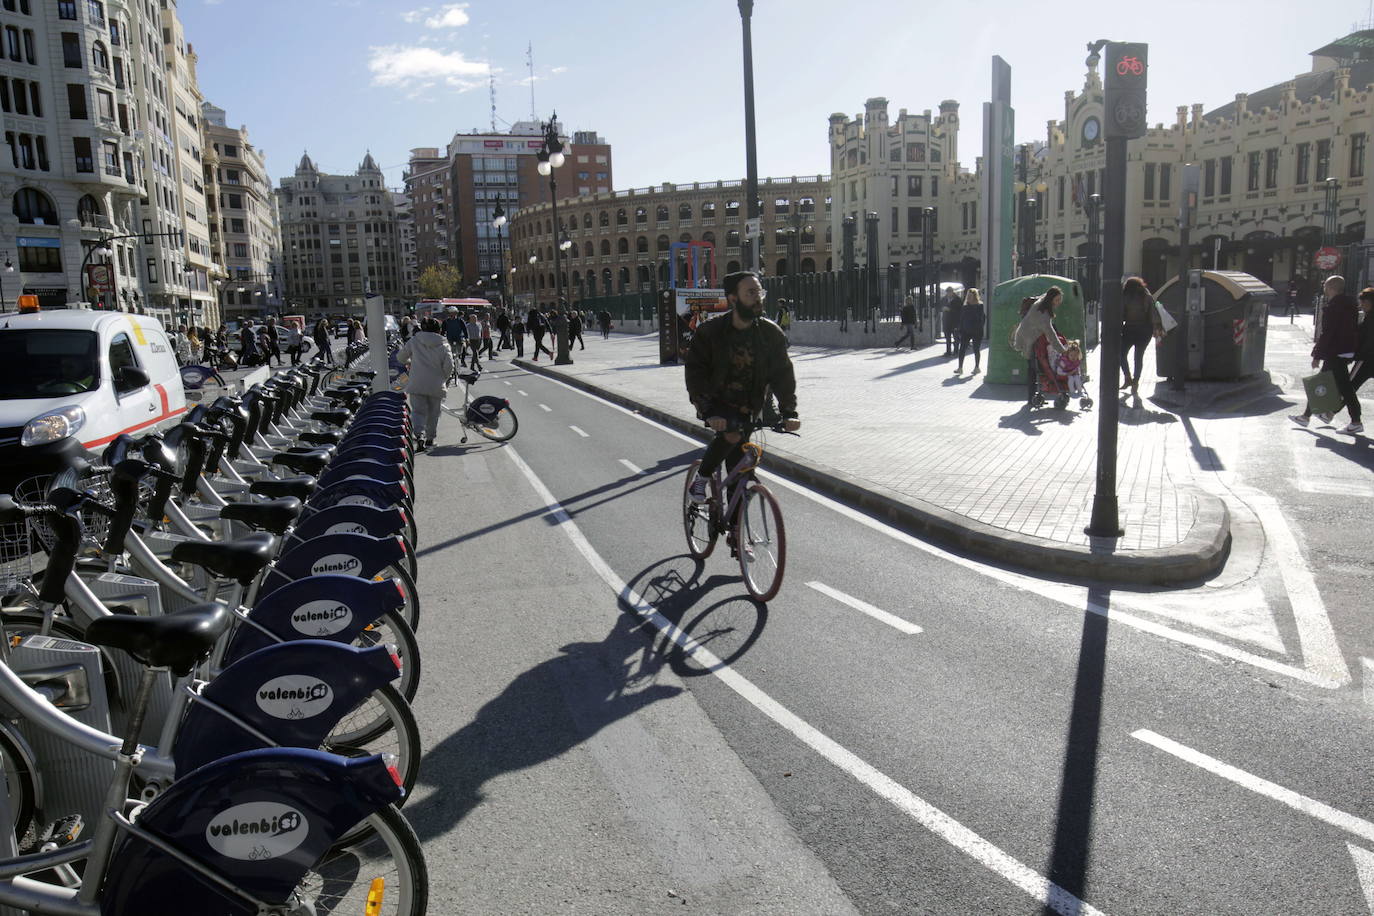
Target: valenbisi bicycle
{"x":743,"y":510}
{"x":490,"y":416}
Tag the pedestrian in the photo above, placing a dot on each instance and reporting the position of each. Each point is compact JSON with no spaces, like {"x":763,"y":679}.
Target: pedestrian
{"x":484,"y":320}
{"x":517,"y":331}
{"x":785,"y":320}
{"x":407,"y":328}
{"x":503,"y":328}
{"x":538,"y":326}
{"x":908,"y":323}
{"x":181,"y":344}
{"x":1035,"y":337}
{"x":474,"y":329}
{"x":322,"y":345}
{"x":949,"y":321}
{"x":971,"y":321}
{"x":575,"y":331}
{"x":1140,"y":322}
{"x":604,"y":317}
{"x":430,"y":362}
{"x":1070,"y":365}
{"x":248,"y":346}
{"x":355,"y":332}
{"x":1334,"y":350}
{"x":1292,"y":299}
{"x":295,"y":340}
{"x":456,"y":331}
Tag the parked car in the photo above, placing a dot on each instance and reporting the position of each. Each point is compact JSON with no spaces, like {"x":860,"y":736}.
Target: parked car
{"x":71,"y":380}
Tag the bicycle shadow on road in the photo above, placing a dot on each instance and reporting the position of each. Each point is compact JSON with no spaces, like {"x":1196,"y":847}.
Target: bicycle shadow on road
{"x":728,"y":627}
{"x":1029,"y":421}
{"x":1356,"y":448}
{"x":542,"y":714}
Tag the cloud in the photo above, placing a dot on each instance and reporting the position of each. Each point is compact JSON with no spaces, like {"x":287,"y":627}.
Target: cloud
{"x":450,"y":16}
{"x":415,"y":68}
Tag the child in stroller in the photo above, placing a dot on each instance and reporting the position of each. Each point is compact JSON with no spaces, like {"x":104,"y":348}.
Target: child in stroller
{"x":1061,"y":376}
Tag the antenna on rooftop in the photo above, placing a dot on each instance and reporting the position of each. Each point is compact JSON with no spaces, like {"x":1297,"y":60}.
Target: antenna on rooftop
{"x":529,"y":55}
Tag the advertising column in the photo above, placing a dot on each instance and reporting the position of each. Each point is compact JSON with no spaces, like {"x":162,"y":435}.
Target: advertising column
{"x":998,"y":133}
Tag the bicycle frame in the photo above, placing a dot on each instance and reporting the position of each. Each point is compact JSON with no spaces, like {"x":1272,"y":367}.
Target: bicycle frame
{"x":741,"y":474}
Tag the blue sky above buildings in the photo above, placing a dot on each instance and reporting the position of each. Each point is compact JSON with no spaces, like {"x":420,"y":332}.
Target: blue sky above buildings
{"x":662,"y":81}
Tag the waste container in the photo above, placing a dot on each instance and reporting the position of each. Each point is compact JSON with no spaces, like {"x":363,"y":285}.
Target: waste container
{"x":1005,"y":365}
{"x":1234,"y":321}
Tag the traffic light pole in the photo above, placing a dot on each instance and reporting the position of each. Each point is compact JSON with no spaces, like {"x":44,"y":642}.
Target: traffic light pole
{"x":1106,"y":516}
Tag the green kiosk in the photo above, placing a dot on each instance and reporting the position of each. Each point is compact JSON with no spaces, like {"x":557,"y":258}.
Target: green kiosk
{"x":1005,"y":365}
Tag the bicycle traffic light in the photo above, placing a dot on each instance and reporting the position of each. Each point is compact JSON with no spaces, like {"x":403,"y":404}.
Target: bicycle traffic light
{"x":1125,"y":84}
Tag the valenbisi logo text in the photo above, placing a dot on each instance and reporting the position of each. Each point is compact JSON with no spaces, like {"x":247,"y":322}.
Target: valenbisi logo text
{"x":294,"y":696}
{"x":321,"y":618}
{"x":346,"y":528}
{"x":337,"y":563}
{"x":257,"y":830}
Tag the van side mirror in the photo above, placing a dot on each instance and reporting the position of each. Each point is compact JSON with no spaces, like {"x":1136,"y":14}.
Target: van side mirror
{"x":131,"y":378}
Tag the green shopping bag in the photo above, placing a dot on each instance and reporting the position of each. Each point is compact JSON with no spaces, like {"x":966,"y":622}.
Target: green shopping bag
{"x":1322,"y":394}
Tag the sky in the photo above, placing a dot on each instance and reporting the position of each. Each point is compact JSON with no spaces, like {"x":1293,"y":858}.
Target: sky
{"x":662,"y":82}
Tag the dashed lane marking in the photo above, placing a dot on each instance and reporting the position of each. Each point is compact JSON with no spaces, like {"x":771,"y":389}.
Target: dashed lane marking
{"x":1309,"y":806}
{"x":1036,"y":885}
{"x":864,"y":607}
{"x":546,"y":408}
{"x":1364,"y":870}
{"x":580,"y":432}
{"x":1367,"y":679}
{"x":631,"y":467}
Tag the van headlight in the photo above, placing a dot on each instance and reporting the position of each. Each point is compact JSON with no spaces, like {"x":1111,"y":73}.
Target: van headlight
{"x":53,"y":426}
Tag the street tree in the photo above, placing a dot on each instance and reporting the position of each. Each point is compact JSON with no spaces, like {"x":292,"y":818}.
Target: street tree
{"x":441,"y":281}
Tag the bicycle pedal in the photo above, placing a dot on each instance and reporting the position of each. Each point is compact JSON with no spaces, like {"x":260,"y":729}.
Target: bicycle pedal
{"x":60,"y":832}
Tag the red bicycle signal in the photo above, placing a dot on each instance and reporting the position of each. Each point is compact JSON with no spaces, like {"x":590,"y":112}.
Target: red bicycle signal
{"x":1130,"y":66}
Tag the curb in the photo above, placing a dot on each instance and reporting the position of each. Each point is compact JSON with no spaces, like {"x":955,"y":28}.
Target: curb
{"x":1199,"y":555}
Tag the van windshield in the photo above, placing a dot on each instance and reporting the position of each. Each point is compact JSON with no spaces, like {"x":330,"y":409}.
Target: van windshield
{"x":47,"y":363}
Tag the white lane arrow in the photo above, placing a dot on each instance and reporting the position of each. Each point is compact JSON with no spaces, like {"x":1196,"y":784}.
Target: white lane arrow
{"x":1364,"y":869}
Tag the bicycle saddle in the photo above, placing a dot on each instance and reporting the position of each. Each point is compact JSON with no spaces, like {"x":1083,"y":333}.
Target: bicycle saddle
{"x":303,"y":463}
{"x":469,"y":377}
{"x":240,"y":559}
{"x":299,"y":487}
{"x":176,"y":641}
{"x":321,"y":438}
{"x":332,"y":417}
{"x":274,"y":515}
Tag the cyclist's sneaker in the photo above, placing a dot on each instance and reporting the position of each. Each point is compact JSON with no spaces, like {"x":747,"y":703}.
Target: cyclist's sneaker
{"x":698,"y":490}
{"x":1354,"y":428}
{"x":1300,"y":418}
{"x":1326,"y":418}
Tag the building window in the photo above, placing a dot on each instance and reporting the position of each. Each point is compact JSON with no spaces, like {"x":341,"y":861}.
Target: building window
{"x":66,"y":9}
{"x":1252,"y":171}
{"x":1149,"y":181}
{"x":913,"y":219}
{"x":100,"y":58}
{"x":1059,"y":194}
{"x":1225,"y":176}
{"x":915,"y":152}
{"x":1165,"y":174}
{"x":40,"y":259}
{"x":81,"y":148}
{"x":1209,"y":178}
{"x":934,"y":185}
{"x":34,"y":208}
{"x":913,"y":186}
{"x":1302,"y":169}
{"x":95,"y":10}
{"x":1271,"y":168}
{"x":104,"y":104}
{"x":1357,"y":150}
{"x":71,"y":50}
{"x":1323,"y":160}
{"x":111,"y":154}
{"x":30,"y":52}
{"x":12,"y":47}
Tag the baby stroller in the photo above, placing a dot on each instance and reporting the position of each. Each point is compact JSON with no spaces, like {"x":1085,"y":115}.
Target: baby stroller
{"x":1052,"y":382}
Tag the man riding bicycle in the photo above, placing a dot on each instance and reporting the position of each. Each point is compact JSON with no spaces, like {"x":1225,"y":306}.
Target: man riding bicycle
{"x":733,"y":362}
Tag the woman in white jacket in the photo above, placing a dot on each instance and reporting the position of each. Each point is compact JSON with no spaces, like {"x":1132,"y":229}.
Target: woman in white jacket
{"x":431,"y":363}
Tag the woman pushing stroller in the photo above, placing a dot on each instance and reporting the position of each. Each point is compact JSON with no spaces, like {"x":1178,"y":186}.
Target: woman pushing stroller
{"x":1037,"y":339}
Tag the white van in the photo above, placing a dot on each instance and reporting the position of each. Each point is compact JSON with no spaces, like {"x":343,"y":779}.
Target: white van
{"x":71,"y":380}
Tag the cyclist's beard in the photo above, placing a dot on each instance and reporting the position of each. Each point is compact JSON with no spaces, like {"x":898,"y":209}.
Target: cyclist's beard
{"x":744,"y":312}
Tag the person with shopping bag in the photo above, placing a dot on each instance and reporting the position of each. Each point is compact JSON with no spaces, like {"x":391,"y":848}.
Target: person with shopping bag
{"x":1333,"y":351}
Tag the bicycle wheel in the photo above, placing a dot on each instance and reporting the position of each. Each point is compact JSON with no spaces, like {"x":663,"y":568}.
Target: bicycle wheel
{"x":381,"y":724}
{"x":392,"y":629}
{"x":21,"y":783}
{"x":696,"y":519}
{"x":384,"y":874}
{"x":410,"y":611}
{"x":499,"y":427}
{"x":761,"y":542}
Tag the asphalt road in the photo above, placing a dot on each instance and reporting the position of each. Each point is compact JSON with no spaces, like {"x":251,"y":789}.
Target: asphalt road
{"x":1028,"y":749}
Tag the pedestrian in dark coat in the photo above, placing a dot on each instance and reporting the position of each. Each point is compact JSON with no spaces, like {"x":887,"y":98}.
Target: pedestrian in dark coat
{"x":1362,"y":368}
{"x":1140,"y":322}
{"x":1334,"y":350}
{"x":575,"y":330}
{"x":322,"y":344}
{"x":949,"y":320}
{"x":971,"y":320}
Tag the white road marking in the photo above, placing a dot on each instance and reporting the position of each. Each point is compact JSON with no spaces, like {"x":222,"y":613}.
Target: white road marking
{"x":546,"y":408}
{"x":522,"y":393}
{"x":504,"y":382}
{"x":632,"y":468}
{"x":923,"y":812}
{"x":1364,"y":870}
{"x":891,"y":620}
{"x":1075,"y":598}
{"x":1309,"y":806}
{"x":580,"y":432}
{"x":1367,"y":678}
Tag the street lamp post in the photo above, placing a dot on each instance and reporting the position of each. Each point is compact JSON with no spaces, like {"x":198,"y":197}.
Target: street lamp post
{"x":751,"y":159}
{"x":551,"y":157}
{"x":9,"y":269}
{"x":498,"y":221}
{"x":927,"y":255}
{"x":870,"y":299}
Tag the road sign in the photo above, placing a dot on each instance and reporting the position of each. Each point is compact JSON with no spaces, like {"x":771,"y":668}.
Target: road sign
{"x":752,"y":227}
{"x":1328,"y":258}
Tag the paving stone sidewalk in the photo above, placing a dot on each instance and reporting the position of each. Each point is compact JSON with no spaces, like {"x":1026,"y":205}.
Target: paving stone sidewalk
{"x":903,"y":423}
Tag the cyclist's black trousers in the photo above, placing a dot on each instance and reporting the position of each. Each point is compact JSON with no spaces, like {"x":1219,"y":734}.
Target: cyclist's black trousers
{"x":720,"y":449}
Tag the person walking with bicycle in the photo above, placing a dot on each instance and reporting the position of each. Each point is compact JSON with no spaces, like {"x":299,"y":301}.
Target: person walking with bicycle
{"x":733,"y":362}
{"x":430,"y":360}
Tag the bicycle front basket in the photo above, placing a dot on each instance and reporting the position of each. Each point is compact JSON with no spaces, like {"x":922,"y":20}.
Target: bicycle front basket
{"x":484,"y":409}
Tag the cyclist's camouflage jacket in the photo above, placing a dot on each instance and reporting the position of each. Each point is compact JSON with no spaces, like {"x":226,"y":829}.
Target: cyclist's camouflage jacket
{"x":708,"y":365}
